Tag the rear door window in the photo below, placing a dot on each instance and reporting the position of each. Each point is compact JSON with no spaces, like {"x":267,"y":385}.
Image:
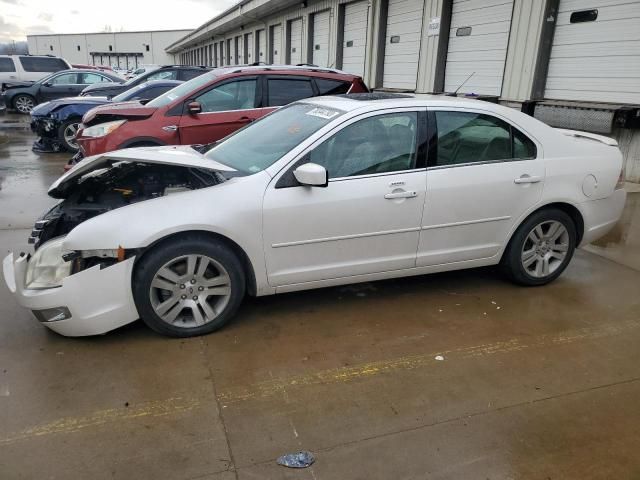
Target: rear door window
{"x":331,"y":87}
{"x":162,"y":75}
{"x":282,"y":91}
{"x":64,"y":79}
{"x":189,"y":74}
{"x":468,"y":137}
{"x":6,"y":65}
{"x":89,"y":78}
{"x":42,"y":64}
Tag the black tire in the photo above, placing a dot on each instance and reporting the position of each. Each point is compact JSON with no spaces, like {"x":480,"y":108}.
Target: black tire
{"x":172,"y":250}
{"x":21,"y":103}
{"x":62,"y":135}
{"x":512,"y":264}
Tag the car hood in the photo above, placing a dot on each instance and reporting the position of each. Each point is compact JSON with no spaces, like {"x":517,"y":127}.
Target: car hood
{"x":10,"y":85}
{"x":181,"y":155}
{"x":121,"y":109}
{"x":48,"y":107}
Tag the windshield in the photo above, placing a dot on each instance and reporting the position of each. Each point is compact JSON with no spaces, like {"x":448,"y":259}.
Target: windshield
{"x":181,"y":90}
{"x":261,"y":144}
{"x":48,"y":77}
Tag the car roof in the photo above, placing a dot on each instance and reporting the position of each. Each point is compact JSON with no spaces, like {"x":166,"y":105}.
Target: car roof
{"x":159,"y":83}
{"x":279,"y":68}
{"x":384,"y":100}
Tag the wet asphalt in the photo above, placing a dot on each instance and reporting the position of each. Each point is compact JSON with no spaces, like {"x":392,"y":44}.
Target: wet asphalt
{"x":533,"y":383}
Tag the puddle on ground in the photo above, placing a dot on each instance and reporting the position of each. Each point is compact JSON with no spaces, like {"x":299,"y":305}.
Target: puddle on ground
{"x":622,"y":243}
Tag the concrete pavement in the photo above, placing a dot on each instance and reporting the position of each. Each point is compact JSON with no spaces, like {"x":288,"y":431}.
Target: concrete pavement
{"x":539,"y":383}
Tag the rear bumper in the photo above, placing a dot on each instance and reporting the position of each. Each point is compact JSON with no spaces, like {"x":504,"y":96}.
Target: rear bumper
{"x":600,"y":216}
{"x":98,"y":300}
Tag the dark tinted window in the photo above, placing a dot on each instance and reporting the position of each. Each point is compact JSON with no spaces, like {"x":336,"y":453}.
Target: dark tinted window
{"x":523,"y":147}
{"x":332,"y":87}
{"x":42,"y":64}
{"x":285,"y":90}
{"x":189,"y":74}
{"x":6,"y":65}
{"x":385,"y":143}
{"x":151,"y":93}
{"x":465,"y":137}
{"x":162,"y":75}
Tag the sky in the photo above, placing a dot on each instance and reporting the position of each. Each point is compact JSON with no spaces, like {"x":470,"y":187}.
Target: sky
{"x":19,"y":18}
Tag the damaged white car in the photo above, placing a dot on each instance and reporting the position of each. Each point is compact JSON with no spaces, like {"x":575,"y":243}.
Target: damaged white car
{"x":323,"y":192}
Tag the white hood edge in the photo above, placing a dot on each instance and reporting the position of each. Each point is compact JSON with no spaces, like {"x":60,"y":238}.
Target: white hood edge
{"x":181,"y":155}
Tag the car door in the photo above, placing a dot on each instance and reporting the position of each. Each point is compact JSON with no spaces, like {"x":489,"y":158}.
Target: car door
{"x":225,"y":107}
{"x":483,"y":175}
{"x":366,"y":220}
{"x":60,"y":86}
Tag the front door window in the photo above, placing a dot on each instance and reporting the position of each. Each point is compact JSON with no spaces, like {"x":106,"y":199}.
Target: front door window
{"x":239,"y":95}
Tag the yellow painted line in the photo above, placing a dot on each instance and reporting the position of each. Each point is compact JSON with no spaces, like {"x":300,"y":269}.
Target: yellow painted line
{"x":272,"y":387}
{"x":159,"y":408}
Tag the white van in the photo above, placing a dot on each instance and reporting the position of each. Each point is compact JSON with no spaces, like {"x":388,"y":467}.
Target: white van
{"x":28,"y":68}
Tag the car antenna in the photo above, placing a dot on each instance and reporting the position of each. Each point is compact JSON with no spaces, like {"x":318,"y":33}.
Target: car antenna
{"x":455,"y":93}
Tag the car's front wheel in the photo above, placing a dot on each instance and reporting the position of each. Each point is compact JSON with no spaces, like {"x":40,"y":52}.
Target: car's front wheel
{"x":541,"y":248}
{"x":187,"y":287}
{"x":67,"y":135}
{"x":24,"y":103}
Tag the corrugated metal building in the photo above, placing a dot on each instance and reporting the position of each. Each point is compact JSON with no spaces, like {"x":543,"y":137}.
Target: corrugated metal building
{"x":118,"y":49}
{"x":571,"y":63}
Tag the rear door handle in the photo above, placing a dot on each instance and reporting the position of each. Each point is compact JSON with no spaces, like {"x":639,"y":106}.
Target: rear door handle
{"x":170,"y":128}
{"x":527,"y":179}
{"x":391,"y":196}
{"x":246,"y":119}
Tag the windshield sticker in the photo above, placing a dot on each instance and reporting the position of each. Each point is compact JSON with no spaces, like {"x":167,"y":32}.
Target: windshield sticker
{"x":322,"y":113}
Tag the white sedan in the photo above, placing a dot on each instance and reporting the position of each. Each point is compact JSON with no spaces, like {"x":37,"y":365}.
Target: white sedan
{"x":323,"y":192}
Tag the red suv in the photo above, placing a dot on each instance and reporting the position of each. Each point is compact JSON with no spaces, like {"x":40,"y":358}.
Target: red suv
{"x":207,"y":108}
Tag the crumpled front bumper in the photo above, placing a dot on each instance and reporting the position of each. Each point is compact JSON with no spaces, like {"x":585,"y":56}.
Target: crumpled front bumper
{"x":47,"y":129}
{"x":98,"y":299}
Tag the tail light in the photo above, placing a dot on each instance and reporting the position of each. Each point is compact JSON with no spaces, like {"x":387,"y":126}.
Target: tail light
{"x":620,"y":183}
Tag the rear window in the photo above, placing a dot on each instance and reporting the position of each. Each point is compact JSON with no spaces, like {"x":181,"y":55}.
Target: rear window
{"x":6,"y":65}
{"x":42,"y":64}
{"x":332,"y":87}
{"x":286,"y":90}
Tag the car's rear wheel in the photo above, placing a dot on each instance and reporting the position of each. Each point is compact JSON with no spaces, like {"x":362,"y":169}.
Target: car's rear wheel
{"x":67,"y":135}
{"x":541,"y":248}
{"x":24,"y":103}
{"x":188,"y":287}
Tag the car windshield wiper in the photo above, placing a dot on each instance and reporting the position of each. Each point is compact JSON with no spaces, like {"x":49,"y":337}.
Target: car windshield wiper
{"x":204,"y":147}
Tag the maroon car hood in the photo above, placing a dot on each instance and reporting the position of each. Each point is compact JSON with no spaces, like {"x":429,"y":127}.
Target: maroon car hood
{"x":120,"y":110}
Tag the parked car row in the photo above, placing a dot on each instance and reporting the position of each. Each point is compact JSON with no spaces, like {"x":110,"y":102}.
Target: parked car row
{"x":207,"y":108}
{"x":56,"y":122}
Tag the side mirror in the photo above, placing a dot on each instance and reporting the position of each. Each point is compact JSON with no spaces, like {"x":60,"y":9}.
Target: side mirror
{"x":47,"y":84}
{"x":194,"y":107}
{"x":312,"y":174}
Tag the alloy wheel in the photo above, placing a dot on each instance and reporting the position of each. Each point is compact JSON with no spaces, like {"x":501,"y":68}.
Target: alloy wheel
{"x":190,"y":291}
{"x":70,"y":135}
{"x":545,"y":248}
{"x":24,"y":104}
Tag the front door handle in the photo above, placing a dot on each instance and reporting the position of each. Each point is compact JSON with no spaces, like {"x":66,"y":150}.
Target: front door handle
{"x":246,"y":119}
{"x":527,"y":179}
{"x":403,"y":194}
{"x":170,"y":128}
